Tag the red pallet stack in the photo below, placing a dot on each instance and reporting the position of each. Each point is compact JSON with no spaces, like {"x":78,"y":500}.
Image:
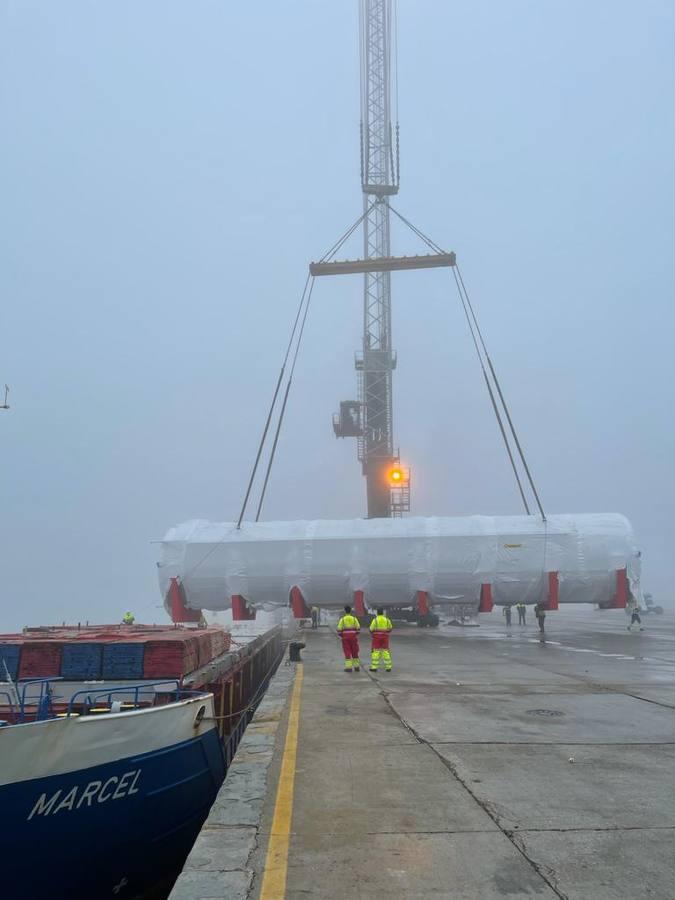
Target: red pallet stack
{"x":171,"y":656}
{"x":169,"y":652}
{"x":40,"y":659}
{"x":204,"y":645}
{"x":220,"y":642}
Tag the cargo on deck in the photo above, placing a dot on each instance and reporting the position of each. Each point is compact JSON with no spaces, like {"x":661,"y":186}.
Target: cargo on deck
{"x":110,"y":652}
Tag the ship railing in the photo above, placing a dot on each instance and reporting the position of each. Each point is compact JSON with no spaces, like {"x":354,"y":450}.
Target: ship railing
{"x":41,"y":701}
{"x":9,"y":705}
{"x":88,"y":699}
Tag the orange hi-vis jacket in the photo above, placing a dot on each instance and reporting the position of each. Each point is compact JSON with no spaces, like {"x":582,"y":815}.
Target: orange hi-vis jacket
{"x":348,"y":624}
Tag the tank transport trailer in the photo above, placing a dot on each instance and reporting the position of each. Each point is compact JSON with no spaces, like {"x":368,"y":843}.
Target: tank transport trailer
{"x":413,"y":567}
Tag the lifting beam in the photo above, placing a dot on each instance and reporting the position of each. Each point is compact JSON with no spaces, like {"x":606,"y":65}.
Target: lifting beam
{"x":382,"y":264}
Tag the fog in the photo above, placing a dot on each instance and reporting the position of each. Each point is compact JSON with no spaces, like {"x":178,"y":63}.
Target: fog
{"x":167,"y":171}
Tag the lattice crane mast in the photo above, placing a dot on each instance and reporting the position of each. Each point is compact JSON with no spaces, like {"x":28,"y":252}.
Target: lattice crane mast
{"x":370,"y":419}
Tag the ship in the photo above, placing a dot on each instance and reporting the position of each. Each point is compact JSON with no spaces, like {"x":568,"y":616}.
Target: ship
{"x":106,"y":782}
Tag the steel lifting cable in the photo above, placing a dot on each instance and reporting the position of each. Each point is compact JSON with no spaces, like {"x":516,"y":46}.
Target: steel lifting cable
{"x":398,"y":153}
{"x":395,"y":29}
{"x":493,"y":401}
{"x":299,"y":313}
{"x":332,"y":250}
{"x":272,"y":405}
{"x":472,"y":321}
{"x":326,"y":256}
{"x":348,"y":233}
{"x":283,"y":405}
{"x":420,"y":234}
{"x":458,"y":275}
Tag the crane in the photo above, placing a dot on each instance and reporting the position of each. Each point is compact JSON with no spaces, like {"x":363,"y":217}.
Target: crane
{"x":370,"y":418}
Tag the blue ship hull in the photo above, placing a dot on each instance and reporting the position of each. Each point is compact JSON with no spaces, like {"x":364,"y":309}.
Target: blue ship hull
{"x":114,"y":830}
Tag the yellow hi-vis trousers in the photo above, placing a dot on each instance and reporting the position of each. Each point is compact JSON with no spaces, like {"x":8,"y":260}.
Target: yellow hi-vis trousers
{"x":375,"y":655}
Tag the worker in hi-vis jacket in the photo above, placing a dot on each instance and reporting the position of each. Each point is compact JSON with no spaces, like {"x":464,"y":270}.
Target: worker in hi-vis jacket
{"x":348,"y":628}
{"x":380,"y":629}
{"x":540,"y":613}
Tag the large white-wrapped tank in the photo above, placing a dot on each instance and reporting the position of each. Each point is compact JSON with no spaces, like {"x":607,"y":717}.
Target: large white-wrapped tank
{"x":391,"y":559}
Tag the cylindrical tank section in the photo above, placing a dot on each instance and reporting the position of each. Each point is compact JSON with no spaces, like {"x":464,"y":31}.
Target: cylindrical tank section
{"x":391,"y":560}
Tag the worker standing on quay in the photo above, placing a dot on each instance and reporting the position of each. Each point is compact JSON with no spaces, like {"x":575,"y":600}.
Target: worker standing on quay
{"x":507,"y":612}
{"x":348,"y":628}
{"x":315,"y":617}
{"x":380,"y":629}
{"x":540,"y":613}
{"x":520,"y":606}
{"x":635,"y":618}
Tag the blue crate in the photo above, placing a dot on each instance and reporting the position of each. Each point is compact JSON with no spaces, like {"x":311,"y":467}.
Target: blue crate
{"x":10,"y":653}
{"x":82,"y":661}
{"x":123,"y":660}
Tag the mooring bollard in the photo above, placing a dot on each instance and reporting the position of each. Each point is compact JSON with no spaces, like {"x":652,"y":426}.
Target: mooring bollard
{"x":294,"y":649}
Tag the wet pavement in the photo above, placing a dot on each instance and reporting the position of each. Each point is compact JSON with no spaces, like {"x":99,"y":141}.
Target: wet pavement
{"x":488,"y":765}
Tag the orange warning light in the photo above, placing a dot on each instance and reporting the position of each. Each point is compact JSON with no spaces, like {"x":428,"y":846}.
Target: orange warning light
{"x":396,"y":475}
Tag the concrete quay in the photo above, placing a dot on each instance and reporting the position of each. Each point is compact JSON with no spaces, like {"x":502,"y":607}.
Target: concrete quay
{"x":220,"y":862}
{"x":488,"y":764}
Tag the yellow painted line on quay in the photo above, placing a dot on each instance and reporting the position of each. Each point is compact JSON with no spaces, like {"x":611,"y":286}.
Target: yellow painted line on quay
{"x":276,"y":861}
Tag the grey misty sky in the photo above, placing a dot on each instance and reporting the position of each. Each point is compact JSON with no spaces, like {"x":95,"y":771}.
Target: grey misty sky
{"x":167,"y":170}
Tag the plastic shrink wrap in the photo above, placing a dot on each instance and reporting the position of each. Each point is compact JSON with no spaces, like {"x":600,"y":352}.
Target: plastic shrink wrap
{"x":391,"y":559}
